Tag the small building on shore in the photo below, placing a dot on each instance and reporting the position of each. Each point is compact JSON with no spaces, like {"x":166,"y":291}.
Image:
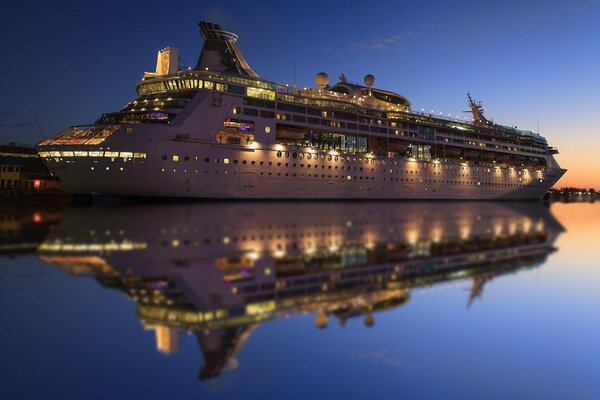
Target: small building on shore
{"x":22,"y":173}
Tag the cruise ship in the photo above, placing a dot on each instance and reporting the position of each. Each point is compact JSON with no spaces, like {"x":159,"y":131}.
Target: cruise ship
{"x":219,"y":130}
{"x":222,"y":269}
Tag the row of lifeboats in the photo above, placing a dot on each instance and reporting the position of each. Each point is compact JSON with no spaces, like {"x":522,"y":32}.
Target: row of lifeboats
{"x":293,"y":133}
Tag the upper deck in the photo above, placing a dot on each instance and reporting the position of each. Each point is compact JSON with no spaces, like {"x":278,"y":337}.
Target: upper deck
{"x":360,"y":102}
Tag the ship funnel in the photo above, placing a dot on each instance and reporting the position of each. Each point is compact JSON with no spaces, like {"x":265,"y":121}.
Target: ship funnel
{"x":220,"y":53}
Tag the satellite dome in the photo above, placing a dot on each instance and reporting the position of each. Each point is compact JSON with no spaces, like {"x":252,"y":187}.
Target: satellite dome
{"x":369,"y":80}
{"x":321,"y":79}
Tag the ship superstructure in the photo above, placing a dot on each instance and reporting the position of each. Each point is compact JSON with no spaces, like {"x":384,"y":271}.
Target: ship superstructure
{"x":221,"y":131}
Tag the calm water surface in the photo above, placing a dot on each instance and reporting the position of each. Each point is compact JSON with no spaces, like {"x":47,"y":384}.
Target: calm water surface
{"x":300,"y":300}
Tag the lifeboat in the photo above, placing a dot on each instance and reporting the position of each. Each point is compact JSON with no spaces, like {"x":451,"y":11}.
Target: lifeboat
{"x":397,"y":146}
{"x":502,"y":157}
{"x":470,"y":153}
{"x":535,"y":161}
{"x":488,"y":156}
{"x":452,"y":151}
{"x":290,"y":132}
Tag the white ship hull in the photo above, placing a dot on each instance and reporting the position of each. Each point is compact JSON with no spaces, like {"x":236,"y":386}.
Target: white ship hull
{"x":373,"y":178}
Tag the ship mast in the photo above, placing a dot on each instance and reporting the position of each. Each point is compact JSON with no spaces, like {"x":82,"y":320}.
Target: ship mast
{"x":477,"y":111}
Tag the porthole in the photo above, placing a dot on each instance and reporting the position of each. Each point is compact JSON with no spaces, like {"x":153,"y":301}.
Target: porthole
{"x":294,"y":155}
{"x":267,"y":129}
{"x":279,"y":154}
{"x":309,"y":156}
{"x":287,"y":154}
{"x":329,"y":157}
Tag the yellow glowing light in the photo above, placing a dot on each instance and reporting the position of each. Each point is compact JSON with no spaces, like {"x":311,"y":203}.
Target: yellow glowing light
{"x":412,"y":235}
{"x":465,"y":232}
{"x":278,"y":253}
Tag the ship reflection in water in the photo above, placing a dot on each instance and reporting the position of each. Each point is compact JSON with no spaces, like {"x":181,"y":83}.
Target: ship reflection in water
{"x":221,"y":270}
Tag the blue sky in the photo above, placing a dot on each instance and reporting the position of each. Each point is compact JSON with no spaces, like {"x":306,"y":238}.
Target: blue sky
{"x":528,"y":61}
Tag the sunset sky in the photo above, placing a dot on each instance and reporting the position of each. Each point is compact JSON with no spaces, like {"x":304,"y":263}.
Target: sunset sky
{"x":531,"y":63}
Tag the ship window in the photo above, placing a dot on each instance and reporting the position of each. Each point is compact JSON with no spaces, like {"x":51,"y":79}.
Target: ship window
{"x":235,"y":89}
{"x":260,"y":93}
{"x":298,"y":118}
{"x":175,"y":158}
{"x":267,"y":114}
{"x":251,"y":111}
{"x":226,"y":161}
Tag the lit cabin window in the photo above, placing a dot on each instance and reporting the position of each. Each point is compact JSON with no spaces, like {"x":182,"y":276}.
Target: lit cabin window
{"x":226,"y":161}
{"x":175,"y":158}
{"x":260,"y":93}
